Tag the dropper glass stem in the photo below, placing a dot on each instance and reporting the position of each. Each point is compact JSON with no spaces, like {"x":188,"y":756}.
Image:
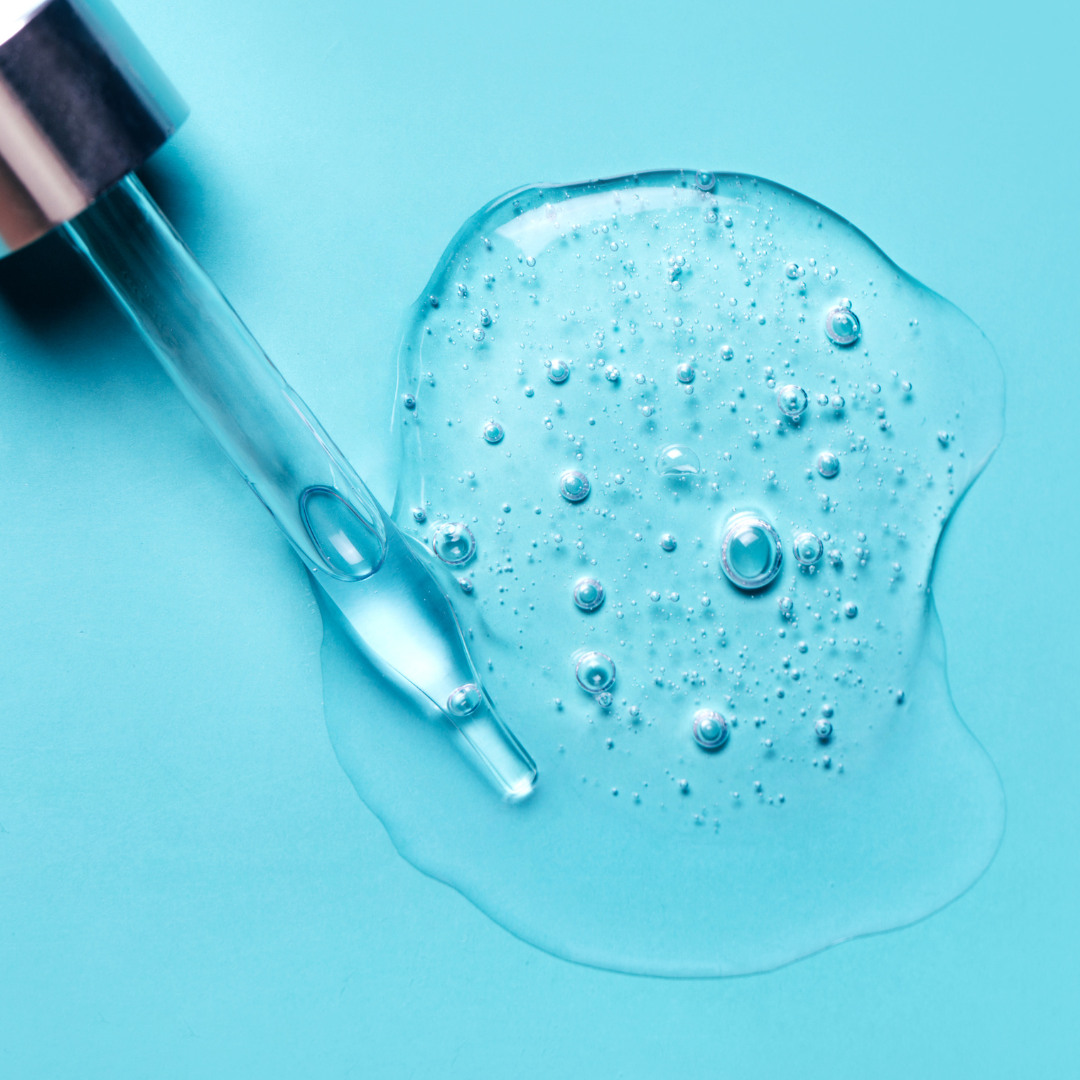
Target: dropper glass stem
{"x":395,"y":609}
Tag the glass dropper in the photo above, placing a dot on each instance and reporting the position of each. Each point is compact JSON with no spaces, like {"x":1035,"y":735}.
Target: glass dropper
{"x":81,"y":106}
{"x":393,"y":606}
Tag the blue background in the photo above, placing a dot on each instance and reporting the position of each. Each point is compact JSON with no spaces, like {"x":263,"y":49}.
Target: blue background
{"x":189,"y":885}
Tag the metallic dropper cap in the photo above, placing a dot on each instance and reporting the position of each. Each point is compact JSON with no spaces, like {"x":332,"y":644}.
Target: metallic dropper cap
{"x":82,"y":104}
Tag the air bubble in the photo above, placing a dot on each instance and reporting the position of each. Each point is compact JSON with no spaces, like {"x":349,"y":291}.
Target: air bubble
{"x":705,"y":181}
{"x":493,"y":432}
{"x":453,"y":543}
{"x":807,"y":549}
{"x":667,"y":542}
{"x":677,"y":460}
{"x":588,"y":594}
{"x":685,"y":373}
{"x":842,"y":325}
{"x":828,"y":464}
{"x":823,"y":729}
{"x":794,"y":270}
{"x":727,"y":353}
{"x":710,"y":729}
{"x":478,"y":334}
{"x":559,"y":371}
{"x":611,"y":373}
{"x":574,"y":486}
{"x":465,"y":700}
{"x":595,"y":672}
{"x":792,"y":401}
{"x":750,"y":552}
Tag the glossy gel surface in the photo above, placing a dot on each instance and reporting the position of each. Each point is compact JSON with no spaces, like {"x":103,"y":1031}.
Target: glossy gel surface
{"x":634,"y":829}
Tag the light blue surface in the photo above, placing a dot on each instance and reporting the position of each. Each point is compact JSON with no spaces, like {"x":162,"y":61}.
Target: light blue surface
{"x":190,"y":887}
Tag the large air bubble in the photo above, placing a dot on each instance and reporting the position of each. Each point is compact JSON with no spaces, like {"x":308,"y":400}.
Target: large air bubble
{"x":713,"y":360}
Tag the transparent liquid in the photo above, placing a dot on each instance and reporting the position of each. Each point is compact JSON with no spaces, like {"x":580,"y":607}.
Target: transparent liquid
{"x":846,"y":795}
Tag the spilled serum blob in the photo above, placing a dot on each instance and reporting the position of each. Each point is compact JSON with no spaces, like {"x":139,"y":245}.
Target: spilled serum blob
{"x":756,"y":715}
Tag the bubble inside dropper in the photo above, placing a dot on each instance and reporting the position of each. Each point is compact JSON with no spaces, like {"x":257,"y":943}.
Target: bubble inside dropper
{"x":465,"y":700}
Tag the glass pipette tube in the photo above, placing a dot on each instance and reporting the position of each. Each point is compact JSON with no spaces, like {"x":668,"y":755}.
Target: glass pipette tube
{"x":393,"y":607}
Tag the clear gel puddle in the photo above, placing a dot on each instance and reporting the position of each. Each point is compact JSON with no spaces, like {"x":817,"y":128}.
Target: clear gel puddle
{"x":738,"y":766}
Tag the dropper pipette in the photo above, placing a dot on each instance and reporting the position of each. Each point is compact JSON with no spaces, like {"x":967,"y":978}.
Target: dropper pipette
{"x":81,"y":106}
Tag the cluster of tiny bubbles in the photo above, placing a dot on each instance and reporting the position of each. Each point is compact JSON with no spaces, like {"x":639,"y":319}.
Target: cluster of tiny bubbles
{"x":493,"y":432}
{"x":750,"y":551}
{"x":705,"y":181}
{"x":792,"y":401}
{"x":656,"y":465}
{"x":823,"y":729}
{"x":677,"y":460}
{"x":453,"y":543}
{"x":710,"y":729}
{"x":465,"y":700}
{"x":588,"y":594}
{"x":842,"y":324}
{"x":595,"y":672}
{"x":808,"y":549}
{"x":558,"y":371}
{"x":419,"y":514}
{"x":574,"y":486}
{"x":828,"y":464}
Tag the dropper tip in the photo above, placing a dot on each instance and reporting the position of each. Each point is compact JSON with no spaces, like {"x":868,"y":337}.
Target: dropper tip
{"x":522,"y":789}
